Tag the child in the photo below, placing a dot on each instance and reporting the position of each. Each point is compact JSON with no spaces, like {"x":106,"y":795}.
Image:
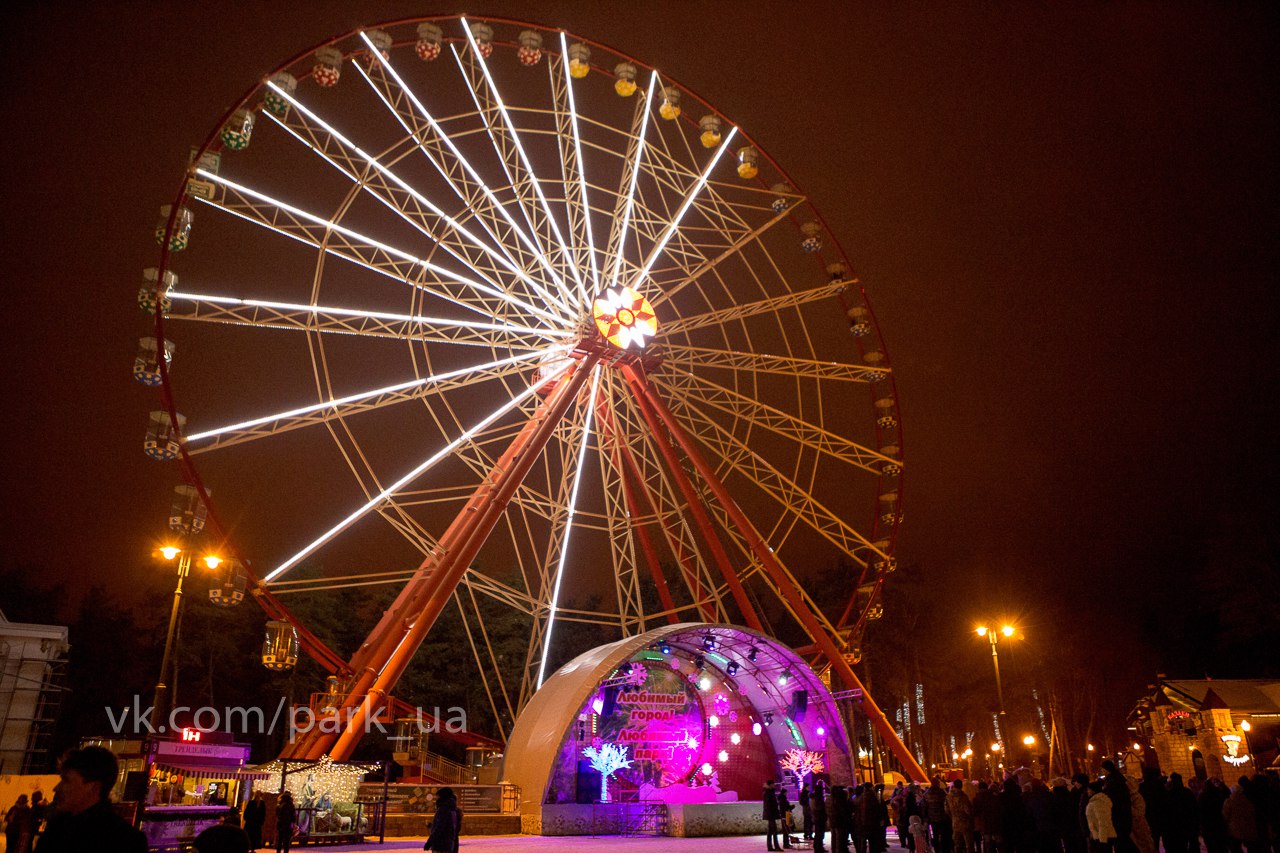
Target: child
{"x":919,"y":833}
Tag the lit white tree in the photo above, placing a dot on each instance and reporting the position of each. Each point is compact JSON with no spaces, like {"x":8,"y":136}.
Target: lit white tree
{"x":607,"y":760}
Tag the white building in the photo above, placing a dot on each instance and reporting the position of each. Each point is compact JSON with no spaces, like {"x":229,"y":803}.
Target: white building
{"x":32,"y":658}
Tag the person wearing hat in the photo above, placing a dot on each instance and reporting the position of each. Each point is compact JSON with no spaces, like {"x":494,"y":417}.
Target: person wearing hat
{"x":446,"y":826}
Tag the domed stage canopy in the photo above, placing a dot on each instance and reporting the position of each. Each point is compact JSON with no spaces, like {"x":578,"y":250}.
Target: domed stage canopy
{"x":704,"y":712}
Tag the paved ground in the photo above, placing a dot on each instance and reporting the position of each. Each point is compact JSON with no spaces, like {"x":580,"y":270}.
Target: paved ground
{"x":576,"y":844}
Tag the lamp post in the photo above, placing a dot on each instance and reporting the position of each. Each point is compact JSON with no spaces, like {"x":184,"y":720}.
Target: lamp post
{"x":186,"y":518}
{"x":993,"y":636}
{"x":184,"y":556}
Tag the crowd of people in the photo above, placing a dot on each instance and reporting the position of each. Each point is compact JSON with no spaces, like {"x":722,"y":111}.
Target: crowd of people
{"x":1110,"y":814}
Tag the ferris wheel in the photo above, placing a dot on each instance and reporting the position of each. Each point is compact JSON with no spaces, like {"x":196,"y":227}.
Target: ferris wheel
{"x":487,"y":310}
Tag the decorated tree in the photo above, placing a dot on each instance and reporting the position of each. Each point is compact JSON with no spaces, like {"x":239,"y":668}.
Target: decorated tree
{"x":607,"y":760}
{"x":802,"y":762}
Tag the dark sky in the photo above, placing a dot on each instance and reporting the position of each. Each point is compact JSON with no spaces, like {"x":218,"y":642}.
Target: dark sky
{"x":1065,"y":216}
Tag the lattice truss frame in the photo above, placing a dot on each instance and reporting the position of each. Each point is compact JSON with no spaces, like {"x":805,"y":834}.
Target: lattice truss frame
{"x":438,"y":234}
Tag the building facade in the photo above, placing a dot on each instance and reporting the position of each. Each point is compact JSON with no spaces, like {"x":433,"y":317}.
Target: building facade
{"x":1200,"y":728}
{"x":32,"y":664}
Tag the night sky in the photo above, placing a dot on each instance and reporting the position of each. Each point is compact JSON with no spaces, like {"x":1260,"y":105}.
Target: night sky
{"x":1065,"y":216}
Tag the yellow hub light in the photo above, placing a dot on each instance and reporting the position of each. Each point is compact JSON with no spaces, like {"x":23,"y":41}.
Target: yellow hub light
{"x":624,"y":317}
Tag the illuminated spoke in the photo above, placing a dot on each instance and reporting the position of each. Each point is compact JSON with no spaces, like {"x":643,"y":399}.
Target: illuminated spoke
{"x":618,"y":241}
{"x":578,"y":165}
{"x":770,"y":306}
{"x":457,"y":173}
{"x":754,"y":362}
{"x":352,"y":404}
{"x":383,"y":496}
{"x":524,"y":157}
{"x":684,"y":207}
{"x":294,"y":222}
{"x":568,"y":522}
{"x":741,"y":407}
{"x":407,"y":202}
{"x":350,"y":321}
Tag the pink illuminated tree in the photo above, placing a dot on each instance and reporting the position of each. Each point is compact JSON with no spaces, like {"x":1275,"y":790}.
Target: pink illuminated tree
{"x":802,"y":762}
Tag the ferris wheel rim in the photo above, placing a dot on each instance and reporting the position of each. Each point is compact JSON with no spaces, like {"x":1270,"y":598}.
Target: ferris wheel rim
{"x":188,"y":467}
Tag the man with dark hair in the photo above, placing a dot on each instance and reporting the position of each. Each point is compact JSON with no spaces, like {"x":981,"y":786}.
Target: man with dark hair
{"x":81,"y":818}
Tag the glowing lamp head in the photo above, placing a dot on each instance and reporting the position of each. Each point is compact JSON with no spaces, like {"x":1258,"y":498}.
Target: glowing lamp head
{"x":624,"y":317}
{"x":1089,"y":747}
{"x":169,"y":552}
{"x":1246,"y":726}
{"x":982,"y":630}
{"x":1007,"y":630}
{"x":212,"y":561}
{"x":704,"y":683}
{"x":1029,"y":740}
{"x":821,"y":731}
{"x":995,"y":747}
{"x":756,"y":729}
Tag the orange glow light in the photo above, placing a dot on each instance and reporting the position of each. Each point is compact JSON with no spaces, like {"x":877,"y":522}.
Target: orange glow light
{"x":624,"y":318}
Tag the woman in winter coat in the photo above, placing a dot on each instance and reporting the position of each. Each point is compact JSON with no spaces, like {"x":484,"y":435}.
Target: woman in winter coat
{"x":1102,"y":832}
{"x":446,"y":826}
{"x":1242,"y":819}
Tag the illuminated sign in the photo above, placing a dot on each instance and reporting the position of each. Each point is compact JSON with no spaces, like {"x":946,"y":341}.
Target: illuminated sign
{"x":191,"y":735}
{"x":1233,"y":756}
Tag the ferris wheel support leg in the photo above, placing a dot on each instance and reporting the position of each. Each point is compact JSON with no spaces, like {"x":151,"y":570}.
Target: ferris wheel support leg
{"x":626,"y":466}
{"x":765,"y":555}
{"x":485,"y":508}
{"x":642,"y":391}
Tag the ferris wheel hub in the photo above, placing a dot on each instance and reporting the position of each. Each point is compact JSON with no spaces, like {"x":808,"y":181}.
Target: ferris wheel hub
{"x":624,"y":318}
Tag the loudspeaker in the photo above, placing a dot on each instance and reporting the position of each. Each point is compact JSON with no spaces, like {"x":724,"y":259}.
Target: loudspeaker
{"x":799,"y":705}
{"x":610,"y":703}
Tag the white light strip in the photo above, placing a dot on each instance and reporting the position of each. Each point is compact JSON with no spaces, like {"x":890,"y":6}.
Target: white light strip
{"x":398,"y":181}
{"x":407,"y":478}
{"x":688,"y":202}
{"x":372,"y":315}
{"x":582,"y":174}
{"x":568,"y":523}
{"x":466,"y":165}
{"x":363,"y":395}
{"x":390,"y":250}
{"x":621,"y":247}
{"x":524,"y":158}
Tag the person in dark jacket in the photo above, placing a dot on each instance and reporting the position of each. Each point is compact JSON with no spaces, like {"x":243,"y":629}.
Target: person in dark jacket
{"x":81,"y":817}
{"x":1181,"y":818}
{"x":446,"y":826}
{"x":838,"y":817}
{"x":1064,"y":807}
{"x":818,"y":802}
{"x":1155,"y":800}
{"x":935,"y":808}
{"x":1115,"y":786}
{"x":286,"y":817}
{"x":255,"y":815}
{"x":770,"y":815}
{"x":1039,"y":802}
{"x":1212,"y":824}
{"x":1016,"y":825}
{"x":806,"y":812}
{"x":987,"y":818}
{"x":784,"y":816}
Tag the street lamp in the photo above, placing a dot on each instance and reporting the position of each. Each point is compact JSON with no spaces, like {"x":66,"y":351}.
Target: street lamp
{"x":993,"y":636}
{"x":186,"y":518}
{"x":184,"y":557}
